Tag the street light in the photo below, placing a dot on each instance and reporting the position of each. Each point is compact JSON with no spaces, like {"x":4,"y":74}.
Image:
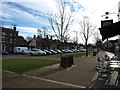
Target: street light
{"x":108,"y":13}
{"x":76,"y":38}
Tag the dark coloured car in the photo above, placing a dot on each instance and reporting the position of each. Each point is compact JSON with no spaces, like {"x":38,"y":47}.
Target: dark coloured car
{"x":58,"y":51}
{"x":47,"y":52}
{"x":53,"y":52}
{"x":4,"y":52}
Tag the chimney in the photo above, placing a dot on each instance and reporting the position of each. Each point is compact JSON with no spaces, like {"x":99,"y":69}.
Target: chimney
{"x":14,"y":28}
{"x":34,"y":36}
{"x":51,"y":37}
{"x":47,"y":37}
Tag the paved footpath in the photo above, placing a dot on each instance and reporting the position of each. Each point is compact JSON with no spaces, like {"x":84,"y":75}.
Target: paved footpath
{"x":78,"y":76}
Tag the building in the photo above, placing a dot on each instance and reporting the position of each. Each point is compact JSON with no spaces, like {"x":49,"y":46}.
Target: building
{"x":10,"y":39}
{"x":49,"y":43}
{"x":21,"y":42}
{"x":110,"y":45}
{"x":41,"y":43}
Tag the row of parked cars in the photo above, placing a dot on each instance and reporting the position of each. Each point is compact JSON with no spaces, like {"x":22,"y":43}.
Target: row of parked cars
{"x":39,"y":52}
{"x":25,"y":50}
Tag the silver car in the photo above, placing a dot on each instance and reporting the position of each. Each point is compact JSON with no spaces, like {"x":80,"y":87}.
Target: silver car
{"x":34,"y":52}
{"x":42,"y":52}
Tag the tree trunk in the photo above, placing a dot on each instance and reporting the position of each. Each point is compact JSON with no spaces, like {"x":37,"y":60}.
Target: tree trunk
{"x":86,"y":48}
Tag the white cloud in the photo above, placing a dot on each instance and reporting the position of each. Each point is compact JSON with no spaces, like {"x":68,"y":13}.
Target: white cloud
{"x":27,"y":29}
{"x":40,"y":5}
{"x":13,"y":14}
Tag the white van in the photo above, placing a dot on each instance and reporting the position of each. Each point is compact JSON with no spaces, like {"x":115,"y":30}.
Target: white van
{"x":19,"y":50}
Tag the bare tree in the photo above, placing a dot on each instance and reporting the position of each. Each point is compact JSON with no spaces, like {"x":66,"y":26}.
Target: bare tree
{"x":42,"y":33}
{"x":61,"y":21}
{"x":96,"y":37}
{"x":87,"y":30}
{"x":98,"y":41}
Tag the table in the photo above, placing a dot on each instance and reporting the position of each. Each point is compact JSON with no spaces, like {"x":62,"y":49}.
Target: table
{"x":114,"y":61}
{"x":115,"y":66}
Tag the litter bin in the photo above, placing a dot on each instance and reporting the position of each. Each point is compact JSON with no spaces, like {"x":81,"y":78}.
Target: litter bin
{"x":94,"y":53}
{"x":66,"y":61}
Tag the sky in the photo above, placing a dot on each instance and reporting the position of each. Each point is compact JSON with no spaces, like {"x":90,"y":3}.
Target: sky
{"x":30,"y":15}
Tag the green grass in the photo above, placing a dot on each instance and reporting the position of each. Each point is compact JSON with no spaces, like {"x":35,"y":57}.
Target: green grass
{"x":76,"y":54}
{"x":23,"y":65}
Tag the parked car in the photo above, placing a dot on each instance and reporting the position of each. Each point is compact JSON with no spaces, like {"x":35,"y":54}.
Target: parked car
{"x":82,"y":50}
{"x":4,"y":52}
{"x":47,"y":52}
{"x":25,"y":52}
{"x":53,"y":51}
{"x":58,"y":51}
{"x":42,"y":52}
{"x":34,"y":52}
{"x":74,"y":50}
{"x":70,"y":51}
{"x":65,"y":51}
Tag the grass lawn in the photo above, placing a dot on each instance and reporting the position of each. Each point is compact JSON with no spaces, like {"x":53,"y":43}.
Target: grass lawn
{"x":23,"y":65}
{"x":76,"y":54}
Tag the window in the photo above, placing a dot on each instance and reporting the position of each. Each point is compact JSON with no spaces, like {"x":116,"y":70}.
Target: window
{"x":11,"y":34}
{"x":3,"y":38}
{"x":10,"y":40}
{"x":3,"y":34}
{"x":14,"y":35}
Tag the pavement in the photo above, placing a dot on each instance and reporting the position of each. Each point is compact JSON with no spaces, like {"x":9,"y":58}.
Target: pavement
{"x":81,"y":75}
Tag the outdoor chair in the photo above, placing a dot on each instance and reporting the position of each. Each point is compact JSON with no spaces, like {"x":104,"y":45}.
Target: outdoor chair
{"x":103,"y":70}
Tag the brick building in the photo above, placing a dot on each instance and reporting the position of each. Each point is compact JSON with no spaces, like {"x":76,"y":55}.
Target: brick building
{"x":21,"y":42}
{"x":10,"y":39}
{"x":49,"y":43}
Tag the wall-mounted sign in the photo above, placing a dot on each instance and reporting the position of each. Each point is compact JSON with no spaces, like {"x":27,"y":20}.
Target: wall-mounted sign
{"x":106,"y":23}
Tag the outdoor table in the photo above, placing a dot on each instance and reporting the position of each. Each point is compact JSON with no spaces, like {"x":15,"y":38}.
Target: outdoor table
{"x":114,"y":61}
{"x":116,"y":66}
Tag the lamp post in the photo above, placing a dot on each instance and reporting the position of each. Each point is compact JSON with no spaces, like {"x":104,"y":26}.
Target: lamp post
{"x":118,"y":19}
{"x":76,"y":38}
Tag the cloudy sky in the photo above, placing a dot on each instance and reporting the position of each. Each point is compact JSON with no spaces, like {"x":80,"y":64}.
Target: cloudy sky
{"x":30,"y":15}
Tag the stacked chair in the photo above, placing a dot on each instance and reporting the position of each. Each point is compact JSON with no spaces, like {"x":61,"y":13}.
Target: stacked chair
{"x":103,"y":66}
